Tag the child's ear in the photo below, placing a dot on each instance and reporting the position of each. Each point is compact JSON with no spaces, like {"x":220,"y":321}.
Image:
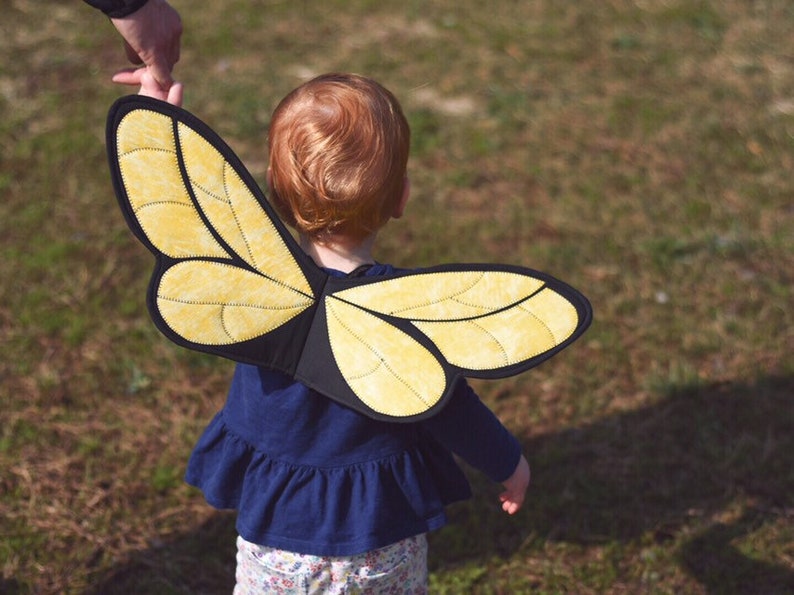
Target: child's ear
{"x":400,"y":206}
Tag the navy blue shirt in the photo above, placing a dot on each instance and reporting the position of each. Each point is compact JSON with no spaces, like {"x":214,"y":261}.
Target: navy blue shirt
{"x":311,"y":476}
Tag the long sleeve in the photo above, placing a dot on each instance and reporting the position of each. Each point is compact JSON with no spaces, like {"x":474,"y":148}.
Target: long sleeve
{"x":117,"y":8}
{"x":469,"y":429}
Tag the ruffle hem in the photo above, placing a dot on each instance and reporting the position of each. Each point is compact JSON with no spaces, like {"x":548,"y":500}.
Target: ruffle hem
{"x":326,"y":511}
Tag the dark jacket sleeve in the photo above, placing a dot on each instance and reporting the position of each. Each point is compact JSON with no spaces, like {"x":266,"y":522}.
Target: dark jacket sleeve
{"x":117,"y":8}
{"x":469,"y":429}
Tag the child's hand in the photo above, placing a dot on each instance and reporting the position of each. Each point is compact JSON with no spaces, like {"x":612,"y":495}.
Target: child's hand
{"x":149,"y":85}
{"x":515,"y":487}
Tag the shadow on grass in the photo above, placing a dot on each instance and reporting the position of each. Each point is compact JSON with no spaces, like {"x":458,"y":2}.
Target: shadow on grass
{"x":686,"y":461}
{"x":200,"y":562}
{"x":682,"y":462}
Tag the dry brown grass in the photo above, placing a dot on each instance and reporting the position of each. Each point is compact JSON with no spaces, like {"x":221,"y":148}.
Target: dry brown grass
{"x":640,"y":150}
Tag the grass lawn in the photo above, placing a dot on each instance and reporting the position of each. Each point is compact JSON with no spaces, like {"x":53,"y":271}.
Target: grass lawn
{"x":640,"y":150}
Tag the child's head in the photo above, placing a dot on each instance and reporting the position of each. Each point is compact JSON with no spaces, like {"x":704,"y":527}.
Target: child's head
{"x":338,"y":157}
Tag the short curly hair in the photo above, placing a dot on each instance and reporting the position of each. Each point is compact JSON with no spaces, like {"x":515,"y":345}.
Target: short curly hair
{"x":338,"y":156}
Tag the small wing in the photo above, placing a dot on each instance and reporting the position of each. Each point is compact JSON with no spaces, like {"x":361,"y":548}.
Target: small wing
{"x":214,"y":303}
{"x":226,"y":272}
{"x":486,"y":322}
{"x":386,"y":368}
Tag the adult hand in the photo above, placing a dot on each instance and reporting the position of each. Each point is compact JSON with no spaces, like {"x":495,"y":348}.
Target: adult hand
{"x":151,"y":37}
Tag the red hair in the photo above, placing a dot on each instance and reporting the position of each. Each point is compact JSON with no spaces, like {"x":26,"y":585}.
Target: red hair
{"x":338,"y":156}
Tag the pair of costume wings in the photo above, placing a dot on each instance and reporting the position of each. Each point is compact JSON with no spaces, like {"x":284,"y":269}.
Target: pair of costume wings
{"x":230,"y":280}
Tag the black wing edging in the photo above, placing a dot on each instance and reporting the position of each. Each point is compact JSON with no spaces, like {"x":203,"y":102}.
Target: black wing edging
{"x":276,"y":350}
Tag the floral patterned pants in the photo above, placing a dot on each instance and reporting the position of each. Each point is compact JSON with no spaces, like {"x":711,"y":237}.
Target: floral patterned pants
{"x":397,"y":569}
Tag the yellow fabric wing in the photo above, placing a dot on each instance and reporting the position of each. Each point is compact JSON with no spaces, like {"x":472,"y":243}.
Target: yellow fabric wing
{"x":479,"y":320}
{"x":157,"y":194}
{"x":213,"y":303}
{"x":388,"y":370}
{"x":506,"y":337}
{"x":205,"y":301}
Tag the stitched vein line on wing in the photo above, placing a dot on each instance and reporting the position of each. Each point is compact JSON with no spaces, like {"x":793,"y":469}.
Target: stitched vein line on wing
{"x":523,"y":308}
{"x":381,"y":361}
{"x":162,"y":202}
{"x":207,"y":191}
{"x":488,"y":311}
{"x":143,"y":149}
{"x":426,"y":303}
{"x":237,"y":222}
{"x":228,"y":304}
{"x":244,"y":337}
{"x":499,"y":344}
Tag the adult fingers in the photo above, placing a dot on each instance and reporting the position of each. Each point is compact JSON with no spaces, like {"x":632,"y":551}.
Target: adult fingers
{"x":132,"y":55}
{"x":160,"y":69}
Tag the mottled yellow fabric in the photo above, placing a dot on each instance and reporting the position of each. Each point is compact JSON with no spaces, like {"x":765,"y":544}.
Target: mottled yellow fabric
{"x":386,"y":368}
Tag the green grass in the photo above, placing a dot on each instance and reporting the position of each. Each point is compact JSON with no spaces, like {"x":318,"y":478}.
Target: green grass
{"x":641,"y":151}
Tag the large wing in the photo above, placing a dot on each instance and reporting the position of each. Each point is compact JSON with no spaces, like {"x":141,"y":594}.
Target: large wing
{"x":400,"y":343}
{"x":226,"y":271}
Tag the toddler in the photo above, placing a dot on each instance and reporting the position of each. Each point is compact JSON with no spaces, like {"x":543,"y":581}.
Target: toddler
{"x":329,"y":500}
